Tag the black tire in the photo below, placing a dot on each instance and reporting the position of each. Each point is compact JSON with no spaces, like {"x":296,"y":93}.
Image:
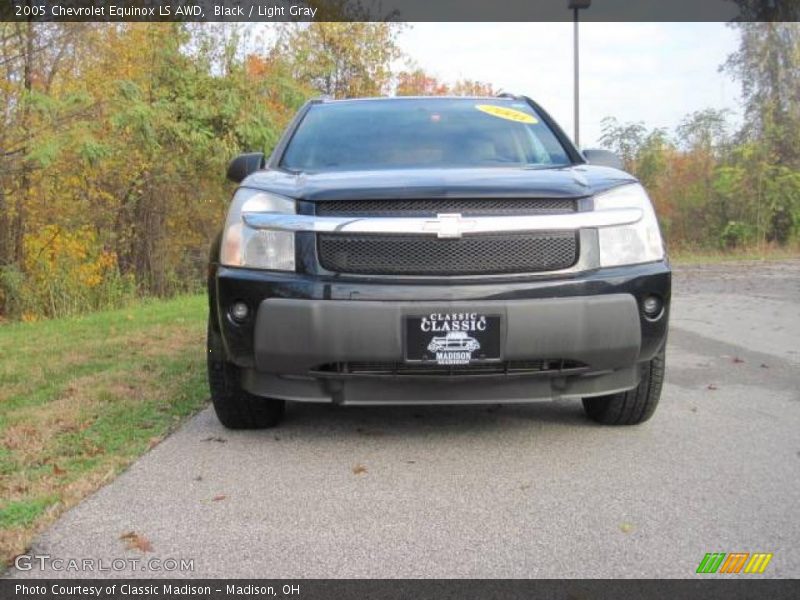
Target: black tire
{"x":235,"y":407}
{"x":634,"y":406}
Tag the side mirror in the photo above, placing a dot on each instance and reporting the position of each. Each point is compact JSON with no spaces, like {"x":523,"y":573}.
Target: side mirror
{"x":245,"y":164}
{"x":603,"y":158}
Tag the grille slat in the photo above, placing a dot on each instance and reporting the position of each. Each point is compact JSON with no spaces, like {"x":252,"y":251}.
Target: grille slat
{"x":430,"y":207}
{"x":512,"y":367}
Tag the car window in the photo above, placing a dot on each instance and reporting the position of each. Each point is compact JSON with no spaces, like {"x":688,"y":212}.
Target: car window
{"x":419,"y":133}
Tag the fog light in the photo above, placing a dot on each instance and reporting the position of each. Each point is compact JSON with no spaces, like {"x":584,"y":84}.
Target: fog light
{"x":652,"y":306}
{"x":239,"y":311}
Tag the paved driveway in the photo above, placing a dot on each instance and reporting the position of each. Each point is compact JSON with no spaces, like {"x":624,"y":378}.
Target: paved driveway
{"x":530,"y":491}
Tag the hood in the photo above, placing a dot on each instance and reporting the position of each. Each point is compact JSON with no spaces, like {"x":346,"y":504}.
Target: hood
{"x":566,"y":182}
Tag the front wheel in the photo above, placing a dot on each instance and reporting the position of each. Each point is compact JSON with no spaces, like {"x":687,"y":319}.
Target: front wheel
{"x":235,"y":407}
{"x":634,"y":406}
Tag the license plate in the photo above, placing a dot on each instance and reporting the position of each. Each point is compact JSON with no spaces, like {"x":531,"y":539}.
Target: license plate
{"x":452,"y":338}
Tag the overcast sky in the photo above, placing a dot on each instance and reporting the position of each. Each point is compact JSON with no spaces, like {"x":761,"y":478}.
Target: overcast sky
{"x":651,"y":72}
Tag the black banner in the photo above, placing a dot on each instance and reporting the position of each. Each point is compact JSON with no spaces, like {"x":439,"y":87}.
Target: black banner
{"x":481,"y":589}
{"x":398,"y":10}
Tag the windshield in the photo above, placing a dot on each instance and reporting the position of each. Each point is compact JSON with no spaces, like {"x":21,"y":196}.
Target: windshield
{"x":421,"y":133}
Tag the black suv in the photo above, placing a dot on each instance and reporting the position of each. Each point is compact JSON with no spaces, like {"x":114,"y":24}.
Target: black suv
{"x":435,"y":251}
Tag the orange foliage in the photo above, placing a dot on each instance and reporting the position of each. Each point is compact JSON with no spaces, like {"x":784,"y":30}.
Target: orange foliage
{"x":420,"y":83}
{"x":75,"y":256}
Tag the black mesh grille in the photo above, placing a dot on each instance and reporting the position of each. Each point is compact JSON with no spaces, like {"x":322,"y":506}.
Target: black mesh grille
{"x":431,"y":207}
{"x":428,"y":255}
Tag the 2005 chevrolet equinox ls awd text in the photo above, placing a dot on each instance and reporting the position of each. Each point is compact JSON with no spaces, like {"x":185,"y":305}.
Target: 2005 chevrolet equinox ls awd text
{"x":435,"y":251}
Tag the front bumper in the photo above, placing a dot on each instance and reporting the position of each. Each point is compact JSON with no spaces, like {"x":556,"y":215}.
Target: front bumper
{"x":300,"y":323}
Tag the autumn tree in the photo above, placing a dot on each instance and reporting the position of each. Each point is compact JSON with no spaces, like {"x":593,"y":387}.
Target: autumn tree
{"x":34,"y":120}
{"x":417,"y":82}
{"x":340,"y":60}
{"x":113,"y":163}
{"x":472,"y":87}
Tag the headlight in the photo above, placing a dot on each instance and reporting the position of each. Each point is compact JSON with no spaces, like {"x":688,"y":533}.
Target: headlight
{"x":243,"y":246}
{"x":629,"y":244}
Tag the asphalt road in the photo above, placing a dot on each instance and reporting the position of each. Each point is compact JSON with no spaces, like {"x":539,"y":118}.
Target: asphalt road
{"x":523,"y":491}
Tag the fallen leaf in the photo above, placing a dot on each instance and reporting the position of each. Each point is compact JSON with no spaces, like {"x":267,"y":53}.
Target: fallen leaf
{"x":737,"y":360}
{"x":215,"y":438}
{"x":153,"y":442}
{"x":218,"y":498}
{"x":142,"y":544}
{"x":626,"y":527}
{"x":359,"y":470}
{"x":136,"y":541}
{"x":711,"y":386}
{"x":58,"y":471}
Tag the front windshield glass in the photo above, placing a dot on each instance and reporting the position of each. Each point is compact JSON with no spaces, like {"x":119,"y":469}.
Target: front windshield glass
{"x":422,"y":133}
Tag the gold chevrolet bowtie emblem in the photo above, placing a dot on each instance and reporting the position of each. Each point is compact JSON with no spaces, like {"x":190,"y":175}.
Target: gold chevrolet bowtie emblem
{"x":449,"y":225}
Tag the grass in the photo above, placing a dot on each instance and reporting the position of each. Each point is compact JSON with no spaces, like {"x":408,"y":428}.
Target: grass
{"x":81,"y":398}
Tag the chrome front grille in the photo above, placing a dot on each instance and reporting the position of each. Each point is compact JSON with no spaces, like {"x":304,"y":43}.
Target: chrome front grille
{"x":426,"y":255}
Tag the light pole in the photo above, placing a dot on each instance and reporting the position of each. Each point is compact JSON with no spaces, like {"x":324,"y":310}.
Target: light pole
{"x":575,"y":6}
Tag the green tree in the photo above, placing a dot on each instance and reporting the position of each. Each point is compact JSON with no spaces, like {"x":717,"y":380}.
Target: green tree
{"x":705,"y":130}
{"x":623,"y":138}
{"x":767,"y":64}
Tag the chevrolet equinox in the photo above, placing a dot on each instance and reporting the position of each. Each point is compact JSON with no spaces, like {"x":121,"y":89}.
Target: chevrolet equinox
{"x":435,"y":251}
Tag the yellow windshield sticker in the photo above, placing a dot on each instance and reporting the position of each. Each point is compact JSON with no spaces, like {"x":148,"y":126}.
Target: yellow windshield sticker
{"x":507,"y":113}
